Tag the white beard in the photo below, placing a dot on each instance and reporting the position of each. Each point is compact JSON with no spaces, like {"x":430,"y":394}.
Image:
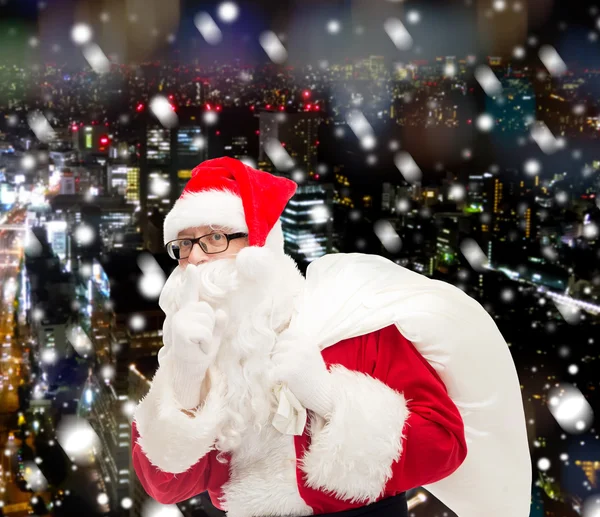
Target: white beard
{"x":258,"y":310}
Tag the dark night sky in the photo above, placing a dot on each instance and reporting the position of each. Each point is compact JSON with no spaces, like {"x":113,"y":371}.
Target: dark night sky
{"x":447,"y":27}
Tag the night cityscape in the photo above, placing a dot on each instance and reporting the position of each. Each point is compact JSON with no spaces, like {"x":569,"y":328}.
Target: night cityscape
{"x":459,"y":139}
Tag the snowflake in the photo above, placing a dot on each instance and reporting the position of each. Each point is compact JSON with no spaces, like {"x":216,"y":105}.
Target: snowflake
{"x":96,"y":58}
{"x":387,"y":235}
{"x":81,"y":34}
{"x":407,"y":167}
{"x":488,"y":81}
{"x":208,"y":28}
{"x":228,"y":12}
{"x":552,"y":60}
{"x":273,"y":47}
{"x":397,"y":32}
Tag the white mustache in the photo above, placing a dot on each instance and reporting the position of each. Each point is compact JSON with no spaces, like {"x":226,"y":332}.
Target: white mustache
{"x":212,"y":282}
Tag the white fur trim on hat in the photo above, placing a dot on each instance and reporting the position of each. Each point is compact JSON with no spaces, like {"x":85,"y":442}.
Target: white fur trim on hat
{"x":209,"y":207}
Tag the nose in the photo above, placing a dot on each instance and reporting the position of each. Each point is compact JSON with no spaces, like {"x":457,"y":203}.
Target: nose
{"x":197,"y":255}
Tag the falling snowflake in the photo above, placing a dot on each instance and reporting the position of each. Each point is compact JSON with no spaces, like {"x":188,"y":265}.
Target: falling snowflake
{"x":590,"y":231}
{"x":33,"y":477}
{"x":81,"y":34}
{"x":543,"y":464}
{"x":249,"y":161}
{"x":397,"y":32}
{"x":152,"y":508}
{"x":387,"y":235}
{"x":78,"y":439}
{"x":552,"y":60}
{"x":457,"y":192}
{"x":570,"y":409}
{"x":544,"y":137}
{"x":40,"y":126}
{"x":519,"y":52}
{"x":128,"y":408}
{"x":126,"y":503}
{"x":108,"y":372}
{"x":159,"y":186}
{"x":573,"y":369}
{"x":488,"y":81}
{"x":474,"y":254}
{"x":273,"y":47}
{"x":408,"y":167}
{"x":163,"y":111}
{"x":152,"y":280}
{"x":49,"y":355}
{"x":368,"y":142}
{"x":85,"y":234}
{"x":413,"y":17}
{"x":334,"y":26}
{"x":28,"y":162}
{"x":210,"y":117}
{"x":403,"y":205}
{"x":228,"y":12}
{"x":137,"y":322}
{"x":208,"y":28}
{"x":320,"y":214}
{"x":485,"y":122}
{"x":561,"y":197}
{"x":450,"y":70}
{"x":532,"y":167}
{"x":96,"y":58}
{"x":278,"y":155}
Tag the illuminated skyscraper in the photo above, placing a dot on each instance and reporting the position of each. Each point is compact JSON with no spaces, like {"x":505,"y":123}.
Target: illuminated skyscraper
{"x":297,"y":132}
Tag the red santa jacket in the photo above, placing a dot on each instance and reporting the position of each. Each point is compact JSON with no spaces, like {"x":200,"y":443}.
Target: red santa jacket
{"x":394,"y":428}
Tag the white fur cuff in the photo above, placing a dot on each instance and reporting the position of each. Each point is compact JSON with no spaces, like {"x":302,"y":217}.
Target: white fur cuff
{"x":351,"y":454}
{"x":171,"y":440}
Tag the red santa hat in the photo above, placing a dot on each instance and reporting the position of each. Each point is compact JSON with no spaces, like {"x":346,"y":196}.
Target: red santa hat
{"x":226,"y":192}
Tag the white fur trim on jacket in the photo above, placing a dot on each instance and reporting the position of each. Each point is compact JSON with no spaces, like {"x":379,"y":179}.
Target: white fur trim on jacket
{"x":353,"y":449}
{"x":171,"y":440}
{"x":218,"y":207}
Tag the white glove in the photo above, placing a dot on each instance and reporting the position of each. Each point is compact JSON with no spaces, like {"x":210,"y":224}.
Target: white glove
{"x":197,"y":332}
{"x":301,"y":367}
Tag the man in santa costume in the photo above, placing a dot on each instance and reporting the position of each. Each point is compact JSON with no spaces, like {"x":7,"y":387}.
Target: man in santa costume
{"x":336,"y":393}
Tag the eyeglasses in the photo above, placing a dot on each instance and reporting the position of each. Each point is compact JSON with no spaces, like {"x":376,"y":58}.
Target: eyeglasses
{"x":216,"y":242}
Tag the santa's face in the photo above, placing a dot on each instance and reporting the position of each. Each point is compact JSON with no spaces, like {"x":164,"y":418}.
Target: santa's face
{"x":203,"y":244}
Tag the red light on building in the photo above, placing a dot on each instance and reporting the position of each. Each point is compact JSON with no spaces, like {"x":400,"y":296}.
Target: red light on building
{"x":317,"y":176}
{"x":282,"y":144}
{"x":469,"y":121}
{"x":257,"y":132}
{"x":308,"y":106}
{"x":317,"y":108}
{"x":281,"y":108}
{"x":139,"y":107}
{"x":268,"y":106}
{"x":252,"y":107}
{"x":74,"y":127}
{"x":217,"y":132}
{"x":306,"y":94}
{"x":218,"y":108}
{"x":208,"y":107}
{"x":170,"y":97}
